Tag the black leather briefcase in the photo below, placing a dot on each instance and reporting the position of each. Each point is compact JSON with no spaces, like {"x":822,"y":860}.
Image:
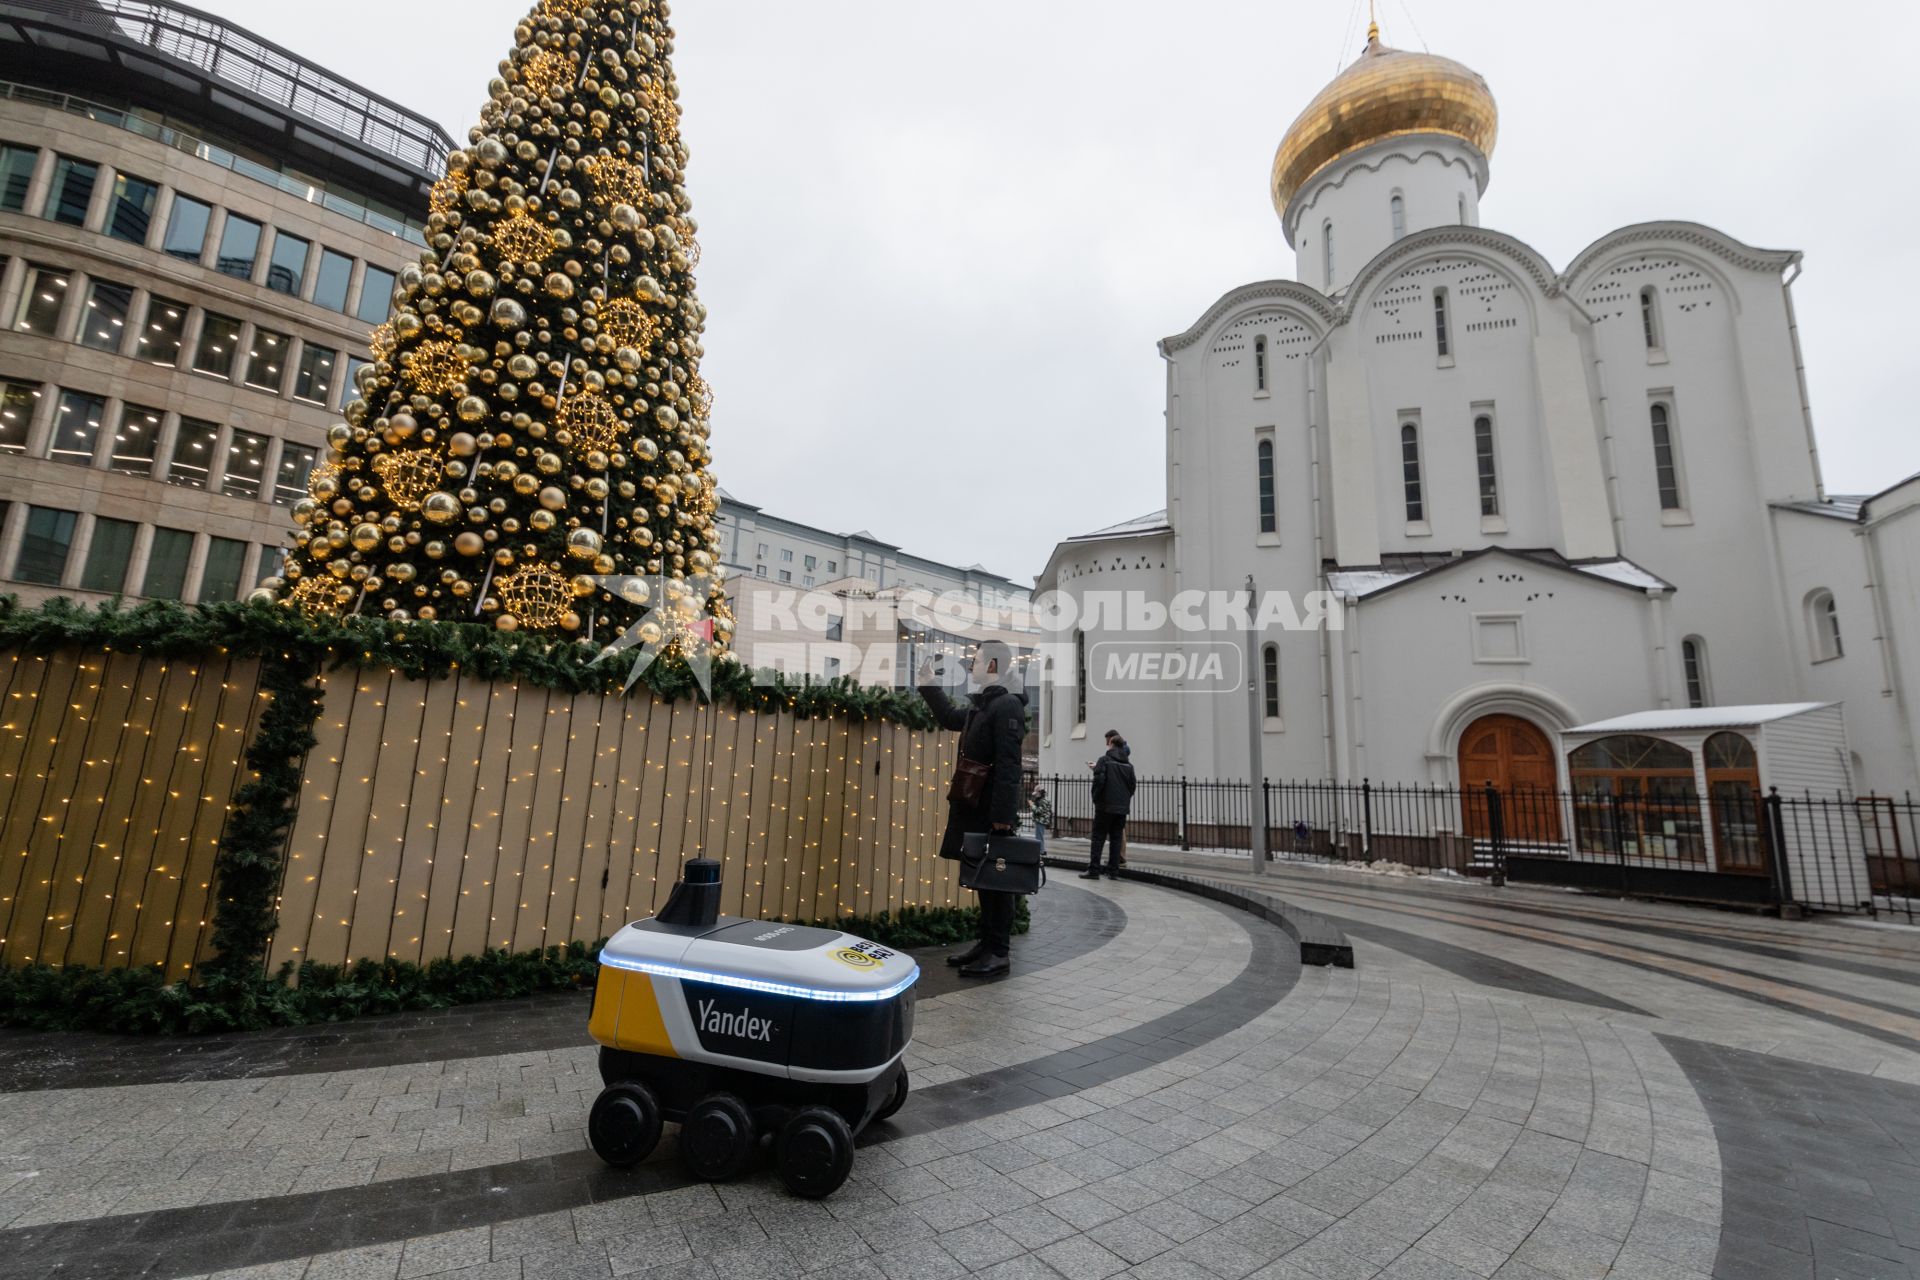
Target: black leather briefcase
{"x":1001,"y":863}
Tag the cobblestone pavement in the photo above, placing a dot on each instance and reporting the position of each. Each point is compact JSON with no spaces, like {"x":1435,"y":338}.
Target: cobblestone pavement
{"x":1516,"y":1084}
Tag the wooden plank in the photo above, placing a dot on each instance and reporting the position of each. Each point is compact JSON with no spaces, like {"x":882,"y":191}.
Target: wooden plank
{"x":345,"y":851}
{"x":155,"y":890}
{"x":426,"y":788}
{"x":733,"y":754}
{"x":400,"y":706}
{"x":629,"y":803}
{"x":473,"y":930}
{"x":132,"y":854}
{"x":32,"y":793}
{"x":834,"y":882}
{"x":453,"y":765}
{"x":65,"y":865}
{"x":19,"y":673}
{"x":226,"y":772}
{"x":758,"y":792}
{"x":596,"y":800}
{"x":516,"y":818}
{"x":550,"y":904}
{"x":313,"y":818}
{"x":83,"y":840}
{"x":809,"y":806}
{"x":675,"y":777}
{"x":189,"y":849}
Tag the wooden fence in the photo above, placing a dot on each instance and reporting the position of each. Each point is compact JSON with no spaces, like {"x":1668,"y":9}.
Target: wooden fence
{"x":438,"y":818}
{"x":115,"y":775}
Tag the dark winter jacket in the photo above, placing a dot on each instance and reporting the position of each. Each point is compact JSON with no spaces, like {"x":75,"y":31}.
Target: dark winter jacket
{"x":1113,"y":781}
{"x":992,"y":725}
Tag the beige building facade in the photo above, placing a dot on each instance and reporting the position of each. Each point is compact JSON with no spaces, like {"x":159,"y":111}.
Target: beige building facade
{"x":199,"y":230}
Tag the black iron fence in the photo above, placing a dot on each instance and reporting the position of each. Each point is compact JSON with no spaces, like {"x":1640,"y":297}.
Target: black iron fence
{"x":1736,"y":845}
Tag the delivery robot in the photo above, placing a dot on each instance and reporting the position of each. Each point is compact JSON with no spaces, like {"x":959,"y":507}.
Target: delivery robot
{"x":738,"y":1029}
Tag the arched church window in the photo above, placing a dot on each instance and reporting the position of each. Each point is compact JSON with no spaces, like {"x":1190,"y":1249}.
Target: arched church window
{"x":1733,"y":793}
{"x":1079,"y":677}
{"x":1326,"y":250}
{"x":1484,"y":462}
{"x":1399,"y":207}
{"x":1823,"y":625}
{"x":1693,"y":664}
{"x":1260,"y":362}
{"x":1650,"y":317}
{"x":1269,"y":513}
{"x":1442,"y":339}
{"x":1270,"y":680}
{"x":1410,"y":473}
{"x":1666,"y":463}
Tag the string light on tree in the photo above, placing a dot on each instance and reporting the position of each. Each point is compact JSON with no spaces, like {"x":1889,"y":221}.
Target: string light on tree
{"x":534,"y":410}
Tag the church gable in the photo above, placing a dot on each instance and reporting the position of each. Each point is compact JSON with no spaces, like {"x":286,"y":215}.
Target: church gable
{"x":1288,"y":340}
{"x":1480,"y":301}
{"x":1684,"y":288}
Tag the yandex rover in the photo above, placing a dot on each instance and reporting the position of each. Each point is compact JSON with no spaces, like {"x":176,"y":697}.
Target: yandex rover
{"x":742,"y":1028}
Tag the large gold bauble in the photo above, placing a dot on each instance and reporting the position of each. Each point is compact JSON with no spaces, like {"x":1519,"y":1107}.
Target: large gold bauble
{"x":507,"y":314}
{"x":553,"y":498}
{"x":626,"y":323}
{"x":469,"y":543}
{"x":409,"y":475}
{"x":542,"y":521}
{"x":506,"y":622}
{"x":583,"y":544}
{"x":521,"y":239}
{"x":559,"y":284}
{"x":365,"y":537}
{"x":462,"y":445}
{"x":592,"y":419}
{"x":471,"y":409}
{"x":440,"y":508}
{"x":604,"y":564}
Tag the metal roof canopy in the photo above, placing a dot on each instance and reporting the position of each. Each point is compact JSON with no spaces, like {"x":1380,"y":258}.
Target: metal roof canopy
{"x":1674,"y":720}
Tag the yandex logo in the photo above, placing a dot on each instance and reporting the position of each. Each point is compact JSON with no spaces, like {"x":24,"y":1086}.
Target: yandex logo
{"x":742,"y":1024}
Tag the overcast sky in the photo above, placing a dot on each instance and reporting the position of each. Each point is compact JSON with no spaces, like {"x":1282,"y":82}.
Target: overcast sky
{"x":942,"y":239}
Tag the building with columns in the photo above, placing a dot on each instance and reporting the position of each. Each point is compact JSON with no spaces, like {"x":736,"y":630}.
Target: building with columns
{"x":1546,"y":494}
{"x":198,"y":231}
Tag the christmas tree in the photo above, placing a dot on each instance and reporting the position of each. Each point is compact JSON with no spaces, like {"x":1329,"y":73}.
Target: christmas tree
{"x":534,"y":420}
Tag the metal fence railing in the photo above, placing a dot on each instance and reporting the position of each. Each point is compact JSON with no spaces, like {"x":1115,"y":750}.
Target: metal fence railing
{"x":1851,"y":854}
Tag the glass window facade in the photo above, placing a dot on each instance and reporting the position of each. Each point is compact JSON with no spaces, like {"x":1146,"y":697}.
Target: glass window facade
{"x":18,"y":400}
{"x":108,"y":555}
{"x":130,"y":216}
{"x":103,"y":325}
{"x":314,"y":381}
{"x":330,"y":285}
{"x":246,"y":465}
{"x":41,"y":301}
{"x":165,"y":326}
{"x":352,"y":379}
{"x":187,"y":228}
{"x":239,"y":247}
{"x":167,"y":564}
{"x":45,"y":546}
{"x":267,"y":360}
{"x":288,"y":265}
{"x":134,"y":440}
{"x":219,"y":335}
{"x":71,"y":192}
{"x":226,"y":561}
{"x":376,"y":295}
{"x":16,"y":173}
{"x":290,"y":481}
{"x":193,"y":453}
{"x":76,"y":428}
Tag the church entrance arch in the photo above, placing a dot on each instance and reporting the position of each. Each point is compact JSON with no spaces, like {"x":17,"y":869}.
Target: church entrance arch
{"x":1517,"y":757}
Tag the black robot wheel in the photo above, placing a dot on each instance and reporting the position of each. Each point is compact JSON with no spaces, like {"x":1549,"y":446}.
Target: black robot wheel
{"x":815,"y":1152}
{"x":897,"y":1100}
{"x":624,"y":1125}
{"x":718,"y":1138}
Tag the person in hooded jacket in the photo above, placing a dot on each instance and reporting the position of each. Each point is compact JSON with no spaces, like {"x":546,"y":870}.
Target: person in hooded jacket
{"x":1113,"y":784}
{"x":992,"y":725}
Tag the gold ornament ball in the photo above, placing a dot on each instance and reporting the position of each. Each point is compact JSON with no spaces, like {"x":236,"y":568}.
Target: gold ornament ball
{"x":604,"y":564}
{"x":569,"y":621}
{"x":366,"y":537}
{"x":542,"y":521}
{"x":583,"y":544}
{"x":552,"y":498}
{"x":440,"y":508}
{"x":582,"y":585}
{"x":506,"y":622}
{"x":260,"y":595}
{"x":462,"y":445}
{"x":471,"y":409}
{"x":469,"y":543}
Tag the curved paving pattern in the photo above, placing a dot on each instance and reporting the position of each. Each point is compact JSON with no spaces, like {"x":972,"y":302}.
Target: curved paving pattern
{"x":1521,"y":1085}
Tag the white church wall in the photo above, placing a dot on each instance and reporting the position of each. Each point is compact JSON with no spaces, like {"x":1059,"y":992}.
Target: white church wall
{"x":1893,"y":542}
{"x":1437,"y":178}
{"x":1490,"y":636}
{"x":1820,"y":556}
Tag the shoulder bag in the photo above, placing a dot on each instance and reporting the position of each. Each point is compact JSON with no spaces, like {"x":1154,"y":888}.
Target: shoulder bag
{"x":1001,"y":863}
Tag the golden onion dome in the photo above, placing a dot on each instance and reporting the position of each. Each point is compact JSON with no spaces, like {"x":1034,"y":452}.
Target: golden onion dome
{"x":1386,"y":93}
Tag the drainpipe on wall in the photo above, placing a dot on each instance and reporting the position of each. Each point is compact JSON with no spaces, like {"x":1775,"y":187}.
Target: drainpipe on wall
{"x":1800,"y":379}
{"x":1356,"y":697}
{"x":1327,"y":748}
{"x":1662,"y":681}
{"x":1173,"y":523}
{"x":1607,"y":458}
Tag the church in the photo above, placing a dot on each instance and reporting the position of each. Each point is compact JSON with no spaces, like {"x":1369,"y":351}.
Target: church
{"x":1544,"y":496}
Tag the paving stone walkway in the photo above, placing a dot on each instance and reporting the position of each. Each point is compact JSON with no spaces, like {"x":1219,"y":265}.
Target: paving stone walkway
{"x":1512,"y":1084}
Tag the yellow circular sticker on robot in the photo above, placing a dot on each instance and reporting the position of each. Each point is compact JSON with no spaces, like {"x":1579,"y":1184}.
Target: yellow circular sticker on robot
{"x":855,"y":959}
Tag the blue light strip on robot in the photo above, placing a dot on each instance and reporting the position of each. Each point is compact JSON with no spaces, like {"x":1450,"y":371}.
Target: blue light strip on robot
{"x":759,"y":984}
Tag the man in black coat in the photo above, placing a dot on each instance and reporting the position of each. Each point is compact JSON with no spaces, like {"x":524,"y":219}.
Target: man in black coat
{"x":1113,"y":784}
{"x":992,"y":725}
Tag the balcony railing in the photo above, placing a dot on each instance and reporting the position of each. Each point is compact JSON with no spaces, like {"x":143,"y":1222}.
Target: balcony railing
{"x":342,"y":203}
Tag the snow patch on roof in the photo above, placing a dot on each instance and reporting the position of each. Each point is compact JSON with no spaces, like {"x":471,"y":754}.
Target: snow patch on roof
{"x":1152,"y":522}
{"x":1365,"y":582}
{"x":1623,"y":571}
{"x":1699,"y":718}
